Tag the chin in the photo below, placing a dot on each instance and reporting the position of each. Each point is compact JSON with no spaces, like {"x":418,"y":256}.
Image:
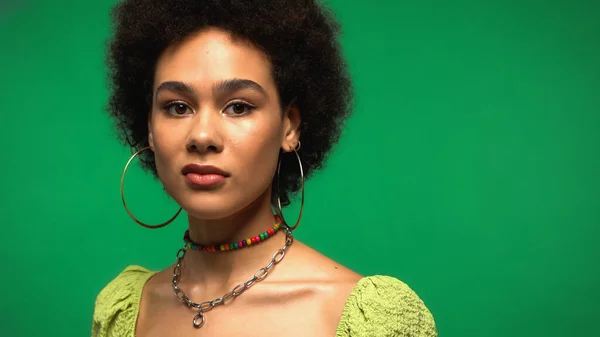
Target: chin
{"x":208,"y":207}
{"x":209,"y":213}
{"x":215,"y":205}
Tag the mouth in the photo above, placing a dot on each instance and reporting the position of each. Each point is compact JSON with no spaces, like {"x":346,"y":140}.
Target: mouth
{"x":204,"y":176}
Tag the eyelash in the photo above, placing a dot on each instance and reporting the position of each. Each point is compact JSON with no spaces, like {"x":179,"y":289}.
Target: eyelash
{"x":249,"y":107}
{"x":167,"y":108}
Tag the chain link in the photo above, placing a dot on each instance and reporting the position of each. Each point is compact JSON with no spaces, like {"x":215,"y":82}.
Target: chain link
{"x":199,"y":319}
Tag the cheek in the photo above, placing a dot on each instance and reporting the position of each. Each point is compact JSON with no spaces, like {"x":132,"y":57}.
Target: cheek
{"x":168,"y":134}
{"x":166,"y":144}
{"x":261,"y":151}
{"x":258,"y":150}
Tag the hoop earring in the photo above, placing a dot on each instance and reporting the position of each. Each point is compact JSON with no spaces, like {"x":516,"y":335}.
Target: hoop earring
{"x":125,"y":204}
{"x":279,"y":209}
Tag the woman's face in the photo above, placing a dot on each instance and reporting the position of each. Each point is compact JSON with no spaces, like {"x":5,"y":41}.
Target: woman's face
{"x":216,"y":125}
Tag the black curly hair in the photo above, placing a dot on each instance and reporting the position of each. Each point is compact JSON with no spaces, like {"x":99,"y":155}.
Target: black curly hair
{"x":300,"y":37}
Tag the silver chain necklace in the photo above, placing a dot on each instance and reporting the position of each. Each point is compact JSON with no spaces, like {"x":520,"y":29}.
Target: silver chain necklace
{"x":203,"y":307}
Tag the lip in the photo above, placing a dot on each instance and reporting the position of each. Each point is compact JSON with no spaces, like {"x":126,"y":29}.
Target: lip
{"x":203,"y":176}
{"x":203,"y":169}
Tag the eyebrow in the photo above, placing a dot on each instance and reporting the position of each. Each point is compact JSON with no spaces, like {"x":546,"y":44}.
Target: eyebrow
{"x":220,"y":88}
{"x":176,"y":87}
{"x":236,"y":84}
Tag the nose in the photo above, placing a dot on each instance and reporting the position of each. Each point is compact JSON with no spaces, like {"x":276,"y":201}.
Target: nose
{"x":205,"y":133}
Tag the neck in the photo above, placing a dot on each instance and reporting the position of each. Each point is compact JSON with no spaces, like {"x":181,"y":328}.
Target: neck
{"x":226,"y":269}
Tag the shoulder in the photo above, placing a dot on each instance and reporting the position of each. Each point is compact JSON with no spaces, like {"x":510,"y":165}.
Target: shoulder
{"x":385,"y":306}
{"x":116,"y":306}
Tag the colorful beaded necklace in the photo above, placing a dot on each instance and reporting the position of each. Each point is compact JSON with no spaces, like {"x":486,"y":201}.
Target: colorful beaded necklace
{"x":189,"y":244}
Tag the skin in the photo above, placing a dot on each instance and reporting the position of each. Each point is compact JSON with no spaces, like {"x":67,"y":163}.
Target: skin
{"x":215,"y":102}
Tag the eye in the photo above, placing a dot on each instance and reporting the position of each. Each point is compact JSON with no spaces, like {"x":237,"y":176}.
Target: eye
{"x":239,"y":108}
{"x":177,"y":109}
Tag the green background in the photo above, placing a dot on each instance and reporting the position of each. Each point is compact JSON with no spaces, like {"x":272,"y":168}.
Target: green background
{"x":470,"y":168}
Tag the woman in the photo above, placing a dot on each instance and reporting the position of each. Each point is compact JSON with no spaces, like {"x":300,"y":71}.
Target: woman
{"x":232,"y":104}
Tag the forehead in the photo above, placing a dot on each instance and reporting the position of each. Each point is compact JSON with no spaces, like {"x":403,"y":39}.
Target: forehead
{"x":213,"y":55}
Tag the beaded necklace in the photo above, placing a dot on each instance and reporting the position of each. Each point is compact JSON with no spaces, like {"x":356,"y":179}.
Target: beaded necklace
{"x":189,"y":244}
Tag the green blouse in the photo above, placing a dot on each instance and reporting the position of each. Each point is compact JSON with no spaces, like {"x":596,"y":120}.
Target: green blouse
{"x":378,"y":306}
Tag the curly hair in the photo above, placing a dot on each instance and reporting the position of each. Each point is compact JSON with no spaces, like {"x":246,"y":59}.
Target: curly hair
{"x":300,"y":38}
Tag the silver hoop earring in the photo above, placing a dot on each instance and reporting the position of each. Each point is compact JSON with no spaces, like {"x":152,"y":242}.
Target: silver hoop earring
{"x":143,"y":224}
{"x":279,"y":208}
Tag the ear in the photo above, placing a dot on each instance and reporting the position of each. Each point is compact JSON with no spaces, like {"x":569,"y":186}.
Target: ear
{"x":291,"y":128}
{"x":150,"y":134}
